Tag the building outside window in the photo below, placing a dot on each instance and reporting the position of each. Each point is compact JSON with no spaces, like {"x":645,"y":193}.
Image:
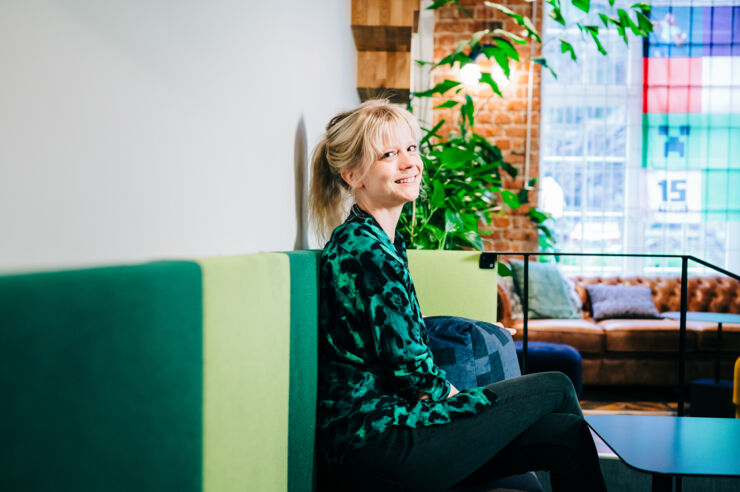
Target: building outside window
{"x":644,"y":144}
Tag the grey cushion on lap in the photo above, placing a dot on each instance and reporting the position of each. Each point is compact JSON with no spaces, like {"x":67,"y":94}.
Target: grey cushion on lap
{"x":472,"y":353}
{"x":621,"y":301}
{"x":476,"y":353}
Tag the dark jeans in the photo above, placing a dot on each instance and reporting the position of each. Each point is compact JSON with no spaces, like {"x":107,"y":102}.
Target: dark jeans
{"x":536,"y":424}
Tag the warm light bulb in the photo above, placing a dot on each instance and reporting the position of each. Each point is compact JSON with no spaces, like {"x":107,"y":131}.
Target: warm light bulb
{"x":498,"y":76}
{"x":470,"y":74}
{"x":552,"y":198}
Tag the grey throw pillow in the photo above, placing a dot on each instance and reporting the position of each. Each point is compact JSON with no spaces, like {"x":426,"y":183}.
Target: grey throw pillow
{"x":507,"y":283}
{"x":548,"y":293}
{"x":621,"y":301}
{"x":574,"y":298}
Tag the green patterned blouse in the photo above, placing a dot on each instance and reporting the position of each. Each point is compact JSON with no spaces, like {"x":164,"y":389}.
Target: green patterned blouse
{"x":374,"y":358}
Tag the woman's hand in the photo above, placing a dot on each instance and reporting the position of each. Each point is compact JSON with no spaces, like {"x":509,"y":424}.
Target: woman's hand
{"x":453,"y":391}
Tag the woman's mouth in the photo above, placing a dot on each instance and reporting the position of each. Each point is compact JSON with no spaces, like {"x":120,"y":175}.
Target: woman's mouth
{"x":410,"y":179}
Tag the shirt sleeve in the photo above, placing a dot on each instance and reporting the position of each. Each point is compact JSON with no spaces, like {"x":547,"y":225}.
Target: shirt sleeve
{"x":398,"y":330}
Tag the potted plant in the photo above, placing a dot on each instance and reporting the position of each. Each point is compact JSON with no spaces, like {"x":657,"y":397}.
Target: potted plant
{"x":462,"y":188}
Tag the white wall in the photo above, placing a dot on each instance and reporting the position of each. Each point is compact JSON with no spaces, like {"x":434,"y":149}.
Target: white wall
{"x":133,"y":130}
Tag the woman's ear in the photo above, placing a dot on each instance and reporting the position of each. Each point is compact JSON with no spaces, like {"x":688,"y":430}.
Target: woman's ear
{"x":350,"y":177}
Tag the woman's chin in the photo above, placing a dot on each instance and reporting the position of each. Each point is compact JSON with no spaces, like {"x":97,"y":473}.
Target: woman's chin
{"x":412,"y":196}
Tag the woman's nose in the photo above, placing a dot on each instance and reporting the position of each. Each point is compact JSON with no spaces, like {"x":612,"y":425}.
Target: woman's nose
{"x":406,"y":160}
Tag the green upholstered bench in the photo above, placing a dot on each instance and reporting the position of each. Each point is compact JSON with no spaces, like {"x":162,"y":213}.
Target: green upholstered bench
{"x":179,"y":375}
{"x":161,"y":376}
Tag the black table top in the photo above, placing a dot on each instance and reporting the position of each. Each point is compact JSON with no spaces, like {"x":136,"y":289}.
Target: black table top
{"x":702,"y":316}
{"x":672,"y":445}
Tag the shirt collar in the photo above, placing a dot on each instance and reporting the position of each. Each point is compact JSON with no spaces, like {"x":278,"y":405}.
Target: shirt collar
{"x":398,"y":243}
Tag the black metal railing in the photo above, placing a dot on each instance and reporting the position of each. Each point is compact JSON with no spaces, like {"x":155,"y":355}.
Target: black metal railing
{"x":684,"y":301}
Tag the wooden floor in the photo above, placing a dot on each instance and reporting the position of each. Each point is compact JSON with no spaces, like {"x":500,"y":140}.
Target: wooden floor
{"x":629,"y":400}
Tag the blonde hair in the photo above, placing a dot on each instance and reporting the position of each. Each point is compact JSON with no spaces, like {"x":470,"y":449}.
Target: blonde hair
{"x":353,"y":140}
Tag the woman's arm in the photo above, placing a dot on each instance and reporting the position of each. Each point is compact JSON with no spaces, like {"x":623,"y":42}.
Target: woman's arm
{"x":398,"y":329}
{"x":373,"y":290}
{"x":453,"y":392}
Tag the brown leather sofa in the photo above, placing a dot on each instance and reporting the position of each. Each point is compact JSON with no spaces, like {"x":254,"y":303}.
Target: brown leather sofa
{"x":644,"y":351}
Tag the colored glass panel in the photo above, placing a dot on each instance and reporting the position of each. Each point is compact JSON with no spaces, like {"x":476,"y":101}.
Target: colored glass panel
{"x":721,"y":199}
{"x":691,"y":141}
{"x":677,"y":32}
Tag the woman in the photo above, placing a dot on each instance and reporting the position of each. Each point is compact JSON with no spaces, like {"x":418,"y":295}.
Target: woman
{"x":387,"y":417}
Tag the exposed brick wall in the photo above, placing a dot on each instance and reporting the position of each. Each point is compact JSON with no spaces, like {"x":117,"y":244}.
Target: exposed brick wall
{"x":501,"y":120}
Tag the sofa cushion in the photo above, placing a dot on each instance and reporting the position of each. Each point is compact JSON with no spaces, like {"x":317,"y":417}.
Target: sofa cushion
{"x":472,"y":353}
{"x":507,"y":283}
{"x":548,"y":293}
{"x":574,"y":297}
{"x":621,"y":301}
{"x":647,"y":335}
{"x":716,"y":294}
{"x":585,"y":336}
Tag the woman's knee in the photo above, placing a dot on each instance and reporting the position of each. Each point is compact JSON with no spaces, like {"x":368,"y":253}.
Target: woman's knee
{"x":559,"y":382}
{"x":558,"y":379}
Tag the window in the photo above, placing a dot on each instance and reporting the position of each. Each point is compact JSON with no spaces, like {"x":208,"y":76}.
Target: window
{"x":645,"y":142}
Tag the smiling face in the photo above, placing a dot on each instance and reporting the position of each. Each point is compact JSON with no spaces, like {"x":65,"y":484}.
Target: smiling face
{"x":394,"y":177}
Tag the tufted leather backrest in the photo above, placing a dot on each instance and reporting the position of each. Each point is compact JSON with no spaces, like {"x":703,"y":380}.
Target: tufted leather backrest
{"x":714,"y":294}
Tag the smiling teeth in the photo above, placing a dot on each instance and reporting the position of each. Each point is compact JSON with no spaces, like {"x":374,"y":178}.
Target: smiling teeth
{"x":406,"y":180}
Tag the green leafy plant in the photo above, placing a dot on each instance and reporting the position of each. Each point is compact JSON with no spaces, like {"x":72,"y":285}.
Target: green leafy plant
{"x":462,"y":185}
{"x":463,"y":176}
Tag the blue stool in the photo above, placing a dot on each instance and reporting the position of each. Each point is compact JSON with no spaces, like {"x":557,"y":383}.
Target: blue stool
{"x":548,"y":356}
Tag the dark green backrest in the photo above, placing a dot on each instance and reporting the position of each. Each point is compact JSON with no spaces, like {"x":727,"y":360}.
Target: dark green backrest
{"x":101,"y":377}
{"x":303,"y":368}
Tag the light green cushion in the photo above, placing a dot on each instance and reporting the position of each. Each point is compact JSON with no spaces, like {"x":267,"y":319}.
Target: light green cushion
{"x":246,"y":372}
{"x":450,"y":283}
{"x":548,"y":293}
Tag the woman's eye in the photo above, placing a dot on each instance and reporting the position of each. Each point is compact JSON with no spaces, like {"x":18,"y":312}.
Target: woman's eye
{"x":412,"y":148}
{"x":388,"y":154}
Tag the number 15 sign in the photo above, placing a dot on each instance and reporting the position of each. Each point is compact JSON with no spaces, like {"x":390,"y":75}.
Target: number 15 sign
{"x":675,"y":195}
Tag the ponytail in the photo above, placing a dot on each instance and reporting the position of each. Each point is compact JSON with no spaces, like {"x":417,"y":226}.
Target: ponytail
{"x":327,"y":192}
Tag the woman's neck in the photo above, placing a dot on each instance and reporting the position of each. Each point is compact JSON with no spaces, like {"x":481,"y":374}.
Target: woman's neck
{"x":386,"y":217}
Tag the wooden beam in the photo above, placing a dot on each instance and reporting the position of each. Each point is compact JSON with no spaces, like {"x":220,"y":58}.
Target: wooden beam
{"x":382,"y":38}
{"x":391,"y":69}
{"x":384,"y":12}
